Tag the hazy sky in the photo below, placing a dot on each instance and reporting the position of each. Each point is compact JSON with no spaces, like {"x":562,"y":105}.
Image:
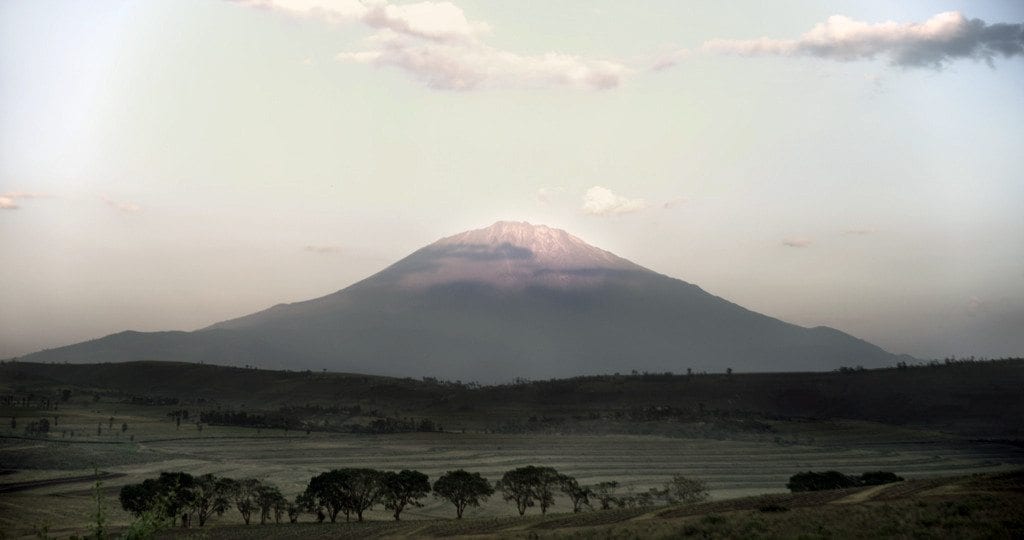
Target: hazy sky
{"x":170,"y":164}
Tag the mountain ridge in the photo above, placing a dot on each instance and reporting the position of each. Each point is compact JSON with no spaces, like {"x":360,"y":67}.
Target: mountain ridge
{"x":509,"y":300}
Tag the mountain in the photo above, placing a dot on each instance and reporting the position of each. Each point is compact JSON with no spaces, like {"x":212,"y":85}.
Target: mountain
{"x":511,"y":300}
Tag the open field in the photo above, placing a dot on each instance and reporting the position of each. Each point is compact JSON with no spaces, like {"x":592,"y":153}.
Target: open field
{"x":740,"y":452}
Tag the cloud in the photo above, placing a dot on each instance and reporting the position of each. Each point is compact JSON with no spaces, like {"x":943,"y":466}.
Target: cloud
{"x":121,"y":206}
{"x":601,"y":201}
{"x":546,"y":194}
{"x":9,"y":200}
{"x":435,"y":21}
{"x":797,"y":242}
{"x":858,"y":232}
{"x":323,"y":249}
{"x":669,"y":59}
{"x":676,"y":202}
{"x":467,"y":66}
{"x":941,"y":39}
{"x":438,"y":45}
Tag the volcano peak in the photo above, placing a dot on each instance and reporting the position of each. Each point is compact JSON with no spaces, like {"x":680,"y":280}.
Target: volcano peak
{"x":538,"y":245}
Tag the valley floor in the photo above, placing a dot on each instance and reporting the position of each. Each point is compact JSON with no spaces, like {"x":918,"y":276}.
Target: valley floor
{"x":60,"y":497}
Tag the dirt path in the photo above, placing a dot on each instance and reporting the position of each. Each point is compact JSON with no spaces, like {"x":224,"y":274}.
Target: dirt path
{"x":861,"y":496}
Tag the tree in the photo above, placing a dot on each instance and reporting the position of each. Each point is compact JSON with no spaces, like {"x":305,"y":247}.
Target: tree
{"x":877,"y":478}
{"x":605,"y":493}
{"x":546,"y":483}
{"x":579,"y":495}
{"x":402,"y":489}
{"x":462,"y":489}
{"x":177,"y":491}
{"x":517,"y":486}
{"x":268,"y":498}
{"x":297,"y":507}
{"x":326,"y":492}
{"x":139,"y":498}
{"x":685,"y":490}
{"x":363,"y":487}
{"x":352,"y":491}
{"x":243,"y":493}
{"x":530,"y":485}
{"x":814,"y":481}
{"x":171,"y":495}
{"x":211,"y":495}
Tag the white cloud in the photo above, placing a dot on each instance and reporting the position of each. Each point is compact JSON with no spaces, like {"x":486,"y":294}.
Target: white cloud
{"x":121,"y":206}
{"x":601,"y":201}
{"x":470,"y":65}
{"x":9,"y":200}
{"x":940,"y":39}
{"x":436,"y":21}
{"x":437,"y":44}
{"x":669,"y":59}
{"x":797,"y":242}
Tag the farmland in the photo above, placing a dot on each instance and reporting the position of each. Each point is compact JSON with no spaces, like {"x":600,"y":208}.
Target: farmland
{"x":740,"y":451}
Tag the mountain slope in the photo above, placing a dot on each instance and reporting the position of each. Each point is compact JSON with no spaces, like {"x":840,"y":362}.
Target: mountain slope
{"x":510,"y":300}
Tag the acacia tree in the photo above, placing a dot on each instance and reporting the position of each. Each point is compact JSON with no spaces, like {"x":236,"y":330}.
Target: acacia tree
{"x":546,"y":482}
{"x":210,"y":495}
{"x":267,"y":498}
{"x":243,"y":493}
{"x":517,"y":486}
{"x":462,"y":489}
{"x":402,"y":489}
{"x":364,"y":489}
{"x":171,"y":494}
{"x":325,"y":491}
{"x":579,"y":495}
{"x":139,"y":498}
{"x":686,"y":490}
{"x":352,"y":491}
{"x":605,"y":493}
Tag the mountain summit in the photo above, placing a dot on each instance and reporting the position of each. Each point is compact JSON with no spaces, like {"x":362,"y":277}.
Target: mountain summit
{"x":509,"y":300}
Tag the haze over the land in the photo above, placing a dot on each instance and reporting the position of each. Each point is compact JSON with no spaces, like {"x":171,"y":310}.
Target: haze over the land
{"x":171,"y":164}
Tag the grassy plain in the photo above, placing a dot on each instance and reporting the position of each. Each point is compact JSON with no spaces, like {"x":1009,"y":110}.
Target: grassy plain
{"x":633,"y":430}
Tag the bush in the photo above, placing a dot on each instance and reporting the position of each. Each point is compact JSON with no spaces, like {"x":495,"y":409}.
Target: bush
{"x":815,"y":481}
{"x":818,"y":481}
{"x":877,"y":478}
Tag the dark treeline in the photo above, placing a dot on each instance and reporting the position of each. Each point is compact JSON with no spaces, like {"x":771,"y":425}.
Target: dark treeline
{"x":302,"y":418}
{"x":818,"y":481}
{"x":179,"y":498}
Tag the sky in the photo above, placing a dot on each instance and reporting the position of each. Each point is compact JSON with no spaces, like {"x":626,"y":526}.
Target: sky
{"x":170,"y":164}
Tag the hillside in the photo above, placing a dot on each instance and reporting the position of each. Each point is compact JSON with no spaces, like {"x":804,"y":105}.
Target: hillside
{"x":981,"y":398}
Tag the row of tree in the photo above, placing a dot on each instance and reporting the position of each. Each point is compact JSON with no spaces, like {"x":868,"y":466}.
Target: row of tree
{"x":175,"y":497}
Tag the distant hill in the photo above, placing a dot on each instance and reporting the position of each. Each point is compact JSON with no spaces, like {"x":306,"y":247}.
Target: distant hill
{"x":974,"y":398}
{"x":511,"y":300}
